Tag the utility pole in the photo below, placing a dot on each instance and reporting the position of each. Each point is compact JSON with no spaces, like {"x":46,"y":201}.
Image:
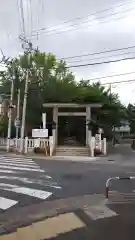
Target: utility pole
{"x":18,"y":114}
{"x":10,"y":115}
{"x":24,"y":112}
{"x":7,"y":61}
{"x":27,"y":50}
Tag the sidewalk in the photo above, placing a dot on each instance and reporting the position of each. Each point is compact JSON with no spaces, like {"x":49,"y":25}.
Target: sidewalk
{"x":49,"y":219}
{"x":57,"y":158}
{"x":85,"y":222}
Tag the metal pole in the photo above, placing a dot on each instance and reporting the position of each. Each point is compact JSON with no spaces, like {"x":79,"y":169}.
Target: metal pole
{"x":10,"y":115}
{"x":18,"y":113}
{"x":24,"y":112}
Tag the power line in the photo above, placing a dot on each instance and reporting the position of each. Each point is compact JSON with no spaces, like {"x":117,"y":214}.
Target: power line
{"x":22,"y":17}
{"x":118,"y":82}
{"x":99,"y":63}
{"x":110,"y":76}
{"x":97,"y":53}
{"x":31,"y":15}
{"x":79,"y":18}
{"x":56,"y":31}
{"x":115,"y":55}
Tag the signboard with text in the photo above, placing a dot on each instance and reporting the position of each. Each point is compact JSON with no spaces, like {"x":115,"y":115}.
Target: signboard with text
{"x":40,"y":133}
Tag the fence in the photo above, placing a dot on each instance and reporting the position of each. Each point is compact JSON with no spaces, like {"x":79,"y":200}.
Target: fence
{"x":15,"y":143}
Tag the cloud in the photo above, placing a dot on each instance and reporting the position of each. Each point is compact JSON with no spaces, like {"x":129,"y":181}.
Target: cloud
{"x":95,"y":33}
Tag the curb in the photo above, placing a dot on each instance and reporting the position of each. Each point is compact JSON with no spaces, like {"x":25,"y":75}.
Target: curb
{"x":57,"y":158}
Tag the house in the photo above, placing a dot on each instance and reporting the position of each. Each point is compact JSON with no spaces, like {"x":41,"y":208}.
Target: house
{"x":123,"y":130}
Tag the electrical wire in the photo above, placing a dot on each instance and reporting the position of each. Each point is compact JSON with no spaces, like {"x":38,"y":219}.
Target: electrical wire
{"x":100,"y":63}
{"x":118,"y":82}
{"x":31,"y":16}
{"x":97,"y":53}
{"x":19,"y":14}
{"x":115,"y":55}
{"x":22,"y":18}
{"x":110,"y":76}
{"x":80,"y":18}
{"x":56,"y":32}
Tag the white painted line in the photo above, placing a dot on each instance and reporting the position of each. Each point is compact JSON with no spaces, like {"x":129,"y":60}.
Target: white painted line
{"x":20,"y":168}
{"x":26,"y":191}
{"x":6,"y":203}
{"x":32,"y":181}
{"x":47,"y":177}
{"x":7,"y":171}
{"x":99,"y":212}
{"x":17,"y":162}
{"x":57,"y":187}
{"x":24,"y":180}
{"x":20,"y":165}
{"x":17,"y":159}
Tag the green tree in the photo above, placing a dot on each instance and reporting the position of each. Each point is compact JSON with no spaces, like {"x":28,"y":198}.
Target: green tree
{"x":52,"y":81}
{"x":131,"y":117}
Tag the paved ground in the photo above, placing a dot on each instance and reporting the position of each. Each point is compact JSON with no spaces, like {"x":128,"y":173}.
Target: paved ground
{"x":28,"y":186}
{"x":23,"y":182}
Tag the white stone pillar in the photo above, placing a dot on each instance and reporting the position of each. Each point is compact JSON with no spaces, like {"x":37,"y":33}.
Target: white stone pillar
{"x":55,"y":119}
{"x":26,"y":145}
{"x":88,"y":118}
{"x":104,"y":147}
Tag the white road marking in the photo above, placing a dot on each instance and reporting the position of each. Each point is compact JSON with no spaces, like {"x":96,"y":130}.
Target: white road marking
{"x":26,"y":191}
{"x":99,"y":212}
{"x":6,"y":203}
{"x":7,"y":171}
{"x":19,"y":165}
{"x":32,"y":181}
{"x":24,"y":180}
{"x":57,"y":187}
{"x":47,"y":177}
{"x":20,"y":168}
{"x":17,"y":159}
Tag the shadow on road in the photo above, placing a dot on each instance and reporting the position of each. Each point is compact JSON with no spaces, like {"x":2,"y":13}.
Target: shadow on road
{"x":117,"y":227}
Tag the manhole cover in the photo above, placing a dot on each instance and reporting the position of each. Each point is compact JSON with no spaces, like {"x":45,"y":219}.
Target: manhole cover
{"x":72,"y":176}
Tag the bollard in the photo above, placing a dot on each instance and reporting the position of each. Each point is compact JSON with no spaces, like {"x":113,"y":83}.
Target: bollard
{"x":104,"y":146}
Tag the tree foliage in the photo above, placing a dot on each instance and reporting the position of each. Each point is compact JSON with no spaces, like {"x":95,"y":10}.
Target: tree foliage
{"x":131,"y":117}
{"x":51,"y":81}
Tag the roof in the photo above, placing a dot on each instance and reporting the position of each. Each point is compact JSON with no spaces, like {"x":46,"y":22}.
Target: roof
{"x":72,"y":105}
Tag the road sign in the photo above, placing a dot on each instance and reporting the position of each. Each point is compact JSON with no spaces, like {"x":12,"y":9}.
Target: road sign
{"x":17,"y":123}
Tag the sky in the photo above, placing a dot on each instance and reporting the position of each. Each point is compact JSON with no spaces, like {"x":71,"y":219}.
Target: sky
{"x":91,"y":26}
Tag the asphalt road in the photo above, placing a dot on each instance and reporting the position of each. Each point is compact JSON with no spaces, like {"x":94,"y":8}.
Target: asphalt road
{"x":24,"y":182}
{"x":78,"y":178}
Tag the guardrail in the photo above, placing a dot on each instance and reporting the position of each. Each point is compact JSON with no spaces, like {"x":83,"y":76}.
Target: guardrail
{"x":123,"y":197}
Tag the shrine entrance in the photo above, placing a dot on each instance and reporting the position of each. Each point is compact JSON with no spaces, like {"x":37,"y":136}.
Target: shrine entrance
{"x":72,"y":130}
{"x":75,"y":124}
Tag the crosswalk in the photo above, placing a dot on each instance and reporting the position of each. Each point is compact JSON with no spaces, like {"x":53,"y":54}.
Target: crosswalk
{"x":23,"y":182}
